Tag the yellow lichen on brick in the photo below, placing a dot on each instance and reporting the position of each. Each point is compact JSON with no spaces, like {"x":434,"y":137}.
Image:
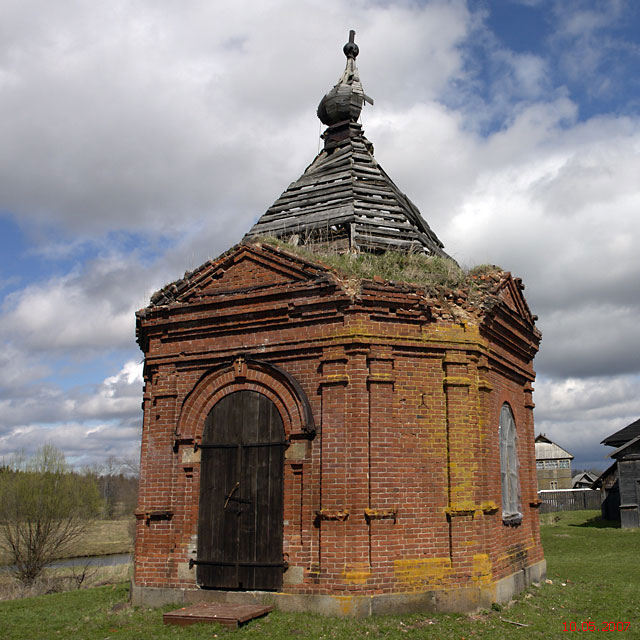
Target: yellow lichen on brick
{"x":458,"y":381}
{"x":463,"y":484}
{"x":459,"y":333}
{"x":335,"y":378}
{"x":489,"y":506}
{"x":357,"y":573}
{"x":418,"y":573}
{"x":482,"y":568}
{"x":461,"y":507}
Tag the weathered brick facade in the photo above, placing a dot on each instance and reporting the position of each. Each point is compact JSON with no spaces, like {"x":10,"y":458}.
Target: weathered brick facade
{"x":390,"y":401}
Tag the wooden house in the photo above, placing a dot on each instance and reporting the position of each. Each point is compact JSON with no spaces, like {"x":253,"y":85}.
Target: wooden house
{"x":583,"y":480}
{"x":621,"y":482}
{"x":607,"y":483}
{"x":319,"y":437}
{"x":553,"y":465}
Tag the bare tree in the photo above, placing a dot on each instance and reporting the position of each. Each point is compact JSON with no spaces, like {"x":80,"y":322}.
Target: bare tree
{"x":44,"y":508}
{"x":117,"y":481}
{"x":131,"y":466}
{"x":108,"y":484}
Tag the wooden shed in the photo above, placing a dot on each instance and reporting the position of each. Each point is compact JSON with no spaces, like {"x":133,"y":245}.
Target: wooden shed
{"x":621,"y":482}
{"x":321,"y":435}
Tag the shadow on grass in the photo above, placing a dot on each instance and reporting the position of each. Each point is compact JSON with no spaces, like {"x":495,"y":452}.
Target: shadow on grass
{"x":598,"y":523}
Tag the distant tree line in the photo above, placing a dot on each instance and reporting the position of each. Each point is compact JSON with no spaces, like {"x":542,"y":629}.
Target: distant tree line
{"x":117,"y":481}
{"x":45,"y":506}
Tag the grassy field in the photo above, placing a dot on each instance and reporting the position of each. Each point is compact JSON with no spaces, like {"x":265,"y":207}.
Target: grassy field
{"x":593,"y":569}
{"x":102,"y":537}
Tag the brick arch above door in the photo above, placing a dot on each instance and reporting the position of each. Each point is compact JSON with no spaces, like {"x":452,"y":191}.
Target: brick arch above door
{"x":246,"y":374}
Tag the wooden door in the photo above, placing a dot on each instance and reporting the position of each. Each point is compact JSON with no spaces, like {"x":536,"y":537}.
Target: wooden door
{"x":240,"y":523}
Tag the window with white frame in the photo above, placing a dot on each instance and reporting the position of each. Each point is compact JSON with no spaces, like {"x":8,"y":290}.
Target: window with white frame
{"x":509,"y":468}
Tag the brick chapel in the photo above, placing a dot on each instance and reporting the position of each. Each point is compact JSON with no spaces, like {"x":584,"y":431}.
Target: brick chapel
{"x":324,"y":439}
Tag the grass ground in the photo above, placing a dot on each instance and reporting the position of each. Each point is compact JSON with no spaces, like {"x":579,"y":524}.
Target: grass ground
{"x":104,"y":537}
{"x":593,"y":569}
{"x":56,"y":580}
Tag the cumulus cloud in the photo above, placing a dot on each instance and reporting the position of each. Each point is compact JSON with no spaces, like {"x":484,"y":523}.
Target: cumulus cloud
{"x":152,"y":115}
{"x":579,"y":413}
{"x":92,"y":308}
{"x":586,"y":47}
{"x":561,"y":211}
{"x":117,"y":396}
{"x":87,"y":422}
{"x":84,"y":444}
{"x":182,"y":124}
{"x":18,"y":369}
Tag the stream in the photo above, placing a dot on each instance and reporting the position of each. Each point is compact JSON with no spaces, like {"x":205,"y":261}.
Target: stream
{"x":111,"y":560}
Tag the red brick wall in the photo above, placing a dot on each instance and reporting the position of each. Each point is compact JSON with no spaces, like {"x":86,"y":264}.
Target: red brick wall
{"x":399,"y":490}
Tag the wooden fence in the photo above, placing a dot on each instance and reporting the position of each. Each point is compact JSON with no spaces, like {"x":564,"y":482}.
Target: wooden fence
{"x":569,"y":500}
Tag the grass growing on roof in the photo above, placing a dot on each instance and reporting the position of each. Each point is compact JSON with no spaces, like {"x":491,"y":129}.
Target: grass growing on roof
{"x":434,"y":273}
{"x":592,"y":567}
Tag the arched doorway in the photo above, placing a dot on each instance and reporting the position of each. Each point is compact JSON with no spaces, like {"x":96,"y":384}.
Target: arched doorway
{"x":240,"y":524}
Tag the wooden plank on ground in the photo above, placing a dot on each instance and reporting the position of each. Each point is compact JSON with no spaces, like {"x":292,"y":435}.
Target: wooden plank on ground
{"x":225,"y":613}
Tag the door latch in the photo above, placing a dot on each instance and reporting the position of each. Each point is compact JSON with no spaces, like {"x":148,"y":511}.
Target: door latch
{"x":226,"y":502}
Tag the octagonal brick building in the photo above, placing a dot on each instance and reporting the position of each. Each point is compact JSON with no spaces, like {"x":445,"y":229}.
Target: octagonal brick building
{"x":321,"y":437}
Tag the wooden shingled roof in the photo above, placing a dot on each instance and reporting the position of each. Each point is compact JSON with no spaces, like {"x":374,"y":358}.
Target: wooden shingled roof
{"x":623,"y":436}
{"x":346,"y":193}
{"x":345,"y":199}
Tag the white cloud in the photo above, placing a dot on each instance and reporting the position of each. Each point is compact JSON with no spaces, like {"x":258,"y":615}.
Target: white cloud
{"x":579,"y":413}
{"x":56,"y":316}
{"x":18,"y":369}
{"x":183,"y":123}
{"x":88,"y":422}
{"x":152,"y":115}
{"x":83,"y":443}
{"x":118,"y":395}
{"x":558,"y":205}
{"x":587,"y":41}
{"x":85,"y":311}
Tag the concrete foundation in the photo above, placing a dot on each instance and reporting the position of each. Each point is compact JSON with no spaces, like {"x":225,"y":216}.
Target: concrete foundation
{"x":462,"y":600}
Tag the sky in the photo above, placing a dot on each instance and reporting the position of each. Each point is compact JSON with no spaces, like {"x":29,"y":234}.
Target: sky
{"x":139,"y":138}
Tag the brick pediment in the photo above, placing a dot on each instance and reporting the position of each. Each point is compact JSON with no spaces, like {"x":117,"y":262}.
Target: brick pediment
{"x":508,"y":298}
{"x":246,"y":267}
{"x":246,"y":270}
{"x":509,"y":322}
{"x":510,"y":294}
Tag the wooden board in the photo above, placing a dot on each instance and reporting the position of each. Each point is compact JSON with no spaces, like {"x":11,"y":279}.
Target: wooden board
{"x":224,"y":613}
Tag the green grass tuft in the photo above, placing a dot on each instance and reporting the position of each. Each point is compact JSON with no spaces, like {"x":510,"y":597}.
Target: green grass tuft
{"x":435,"y":274}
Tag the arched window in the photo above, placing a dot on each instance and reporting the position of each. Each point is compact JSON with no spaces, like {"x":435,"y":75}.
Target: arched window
{"x":509,"y":467}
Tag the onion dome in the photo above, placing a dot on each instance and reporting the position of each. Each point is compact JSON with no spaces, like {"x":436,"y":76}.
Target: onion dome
{"x":344,"y":101}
